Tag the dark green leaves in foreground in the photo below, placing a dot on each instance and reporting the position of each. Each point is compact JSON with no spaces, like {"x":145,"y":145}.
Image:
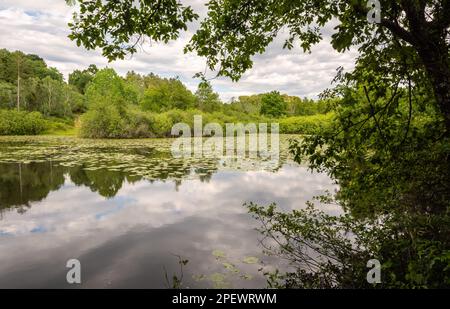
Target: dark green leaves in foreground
{"x":118,"y":27}
{"x":328,"y":251}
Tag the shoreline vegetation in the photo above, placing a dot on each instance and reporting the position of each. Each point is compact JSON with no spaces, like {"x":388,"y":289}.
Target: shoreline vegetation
{"x":98,"y":103}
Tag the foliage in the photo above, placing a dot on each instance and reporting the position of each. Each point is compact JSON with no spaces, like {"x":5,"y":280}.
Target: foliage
{"x":329,"y":251}
{"x":305,"y":124}
{"x":148,"y":106}
{"x":302,"y":107}
{"x":103,"y":121}
{"x":139,"y":105}
{"x":26,"y":83}
{"x":389,"y":154}
{"x":246,"y":104}
{"x":247,"y":27}
{"x":7,"y":95}
{"x":14,"y":122}
{"x":27,"y":65}
{"x":206,"y":99}
{"x":413,"y":33}
{"x":273,"y":104}
{"x":81,"y":79}
{"x":161,"y":21}
{"x":49,"y":93}
{"x":106,"y":88}
{"x":177,"y":279}
{"x":161,"y":124}
{"x":164,"y":94}
{"x":60,"y":126}
{"x":73,"y":101}
{"x":107,"y":106}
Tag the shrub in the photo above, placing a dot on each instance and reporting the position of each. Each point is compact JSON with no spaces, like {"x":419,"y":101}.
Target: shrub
{"x":161,"y":124}
{"x":176,"y":115}
{"x":14,"y":122}
{"x":305,"y":124}
{"x":137,"y":124}
{"x":110,"y":121}
{"x":103,"y":122}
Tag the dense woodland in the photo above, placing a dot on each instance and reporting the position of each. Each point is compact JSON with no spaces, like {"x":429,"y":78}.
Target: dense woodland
{"x":35,"y":98}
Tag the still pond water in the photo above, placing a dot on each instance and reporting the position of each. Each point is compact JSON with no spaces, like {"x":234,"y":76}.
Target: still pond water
{"x":127,"y":209}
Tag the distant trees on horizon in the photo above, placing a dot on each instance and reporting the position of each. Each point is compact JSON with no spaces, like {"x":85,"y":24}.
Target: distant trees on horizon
{"x":28,"y":83}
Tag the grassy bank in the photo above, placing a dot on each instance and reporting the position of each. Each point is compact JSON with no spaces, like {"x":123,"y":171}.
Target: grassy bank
{"x":13,"y":122}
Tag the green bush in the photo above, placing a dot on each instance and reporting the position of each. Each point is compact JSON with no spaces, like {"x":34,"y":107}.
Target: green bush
{"x":176,"y":115}
{"x":273,"y":104}
{"x":137,"y":124}
{"x":160,"y":125}
{"x":305,"y":124}
{"x":106,"y":121}
{"x":14,"y":122}
{"x":103,"y":122}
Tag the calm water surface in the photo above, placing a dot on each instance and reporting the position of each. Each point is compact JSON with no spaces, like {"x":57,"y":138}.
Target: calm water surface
{"x":127,"y":210}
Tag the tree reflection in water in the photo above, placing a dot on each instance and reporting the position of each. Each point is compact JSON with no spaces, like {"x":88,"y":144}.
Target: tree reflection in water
{"x":21,"y":184}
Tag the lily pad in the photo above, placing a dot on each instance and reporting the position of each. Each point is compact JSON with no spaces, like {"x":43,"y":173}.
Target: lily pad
{"x":250,"y":260}
{"x":219,"y":254}
{"x":230,"y":267}
{"x":247,"y":277}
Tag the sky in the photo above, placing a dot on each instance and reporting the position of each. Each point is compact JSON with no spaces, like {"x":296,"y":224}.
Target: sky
{"x":40,"y":27}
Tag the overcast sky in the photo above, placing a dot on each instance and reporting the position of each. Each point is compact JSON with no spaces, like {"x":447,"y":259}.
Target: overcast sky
{"x":40,"y":27}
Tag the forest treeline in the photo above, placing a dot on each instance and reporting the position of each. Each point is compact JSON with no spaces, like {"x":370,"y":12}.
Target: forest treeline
{"x":35,"y":99}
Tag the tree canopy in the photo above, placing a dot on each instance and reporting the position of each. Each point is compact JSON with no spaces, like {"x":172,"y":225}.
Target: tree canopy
{"x":114,"y":25}
{"x":207,"y":99}
{"x":101,"y":103}
{"x":26,"y":82}
{"x":273,"y":104}
{"x":81,"y":78}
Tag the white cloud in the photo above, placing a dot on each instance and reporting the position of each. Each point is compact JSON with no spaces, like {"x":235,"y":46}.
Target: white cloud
{"x":40,"y":27}
{"x":146,"y":221}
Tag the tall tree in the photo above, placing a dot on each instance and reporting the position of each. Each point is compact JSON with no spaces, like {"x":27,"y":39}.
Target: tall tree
{"x":206,"y":99}
{"x":19,"y":63}
{"x":273,"y":104}
{"x":81,"y":79}
{"x":166,"y":93}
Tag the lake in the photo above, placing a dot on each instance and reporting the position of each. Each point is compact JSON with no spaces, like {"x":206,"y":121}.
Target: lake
{"x":129,"y":211}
